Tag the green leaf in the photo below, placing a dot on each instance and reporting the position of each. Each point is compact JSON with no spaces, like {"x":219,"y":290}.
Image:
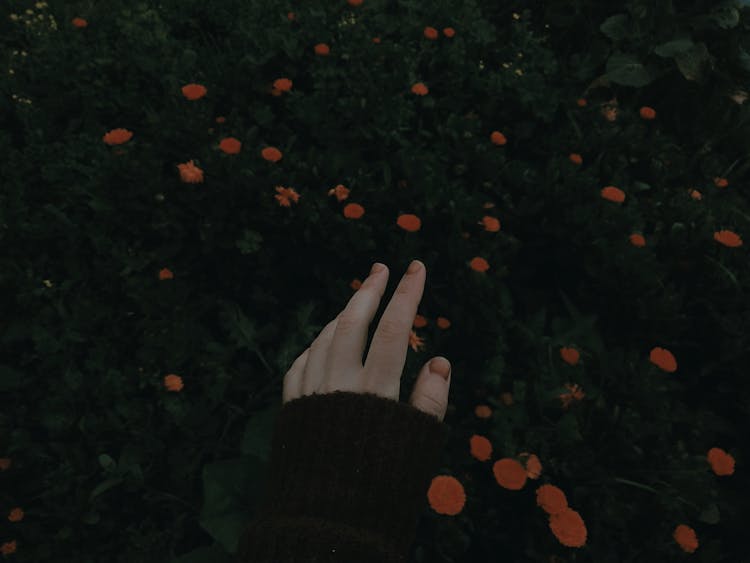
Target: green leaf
{"x":262,"y":114}
{"x":386,"y":174}
{"x":726,"y":16}
{"x":616,"y":27}
{"x":744,"y":59}
{"x":207,"y":554}
{"x":241,"y":329}
{"x":674,"y":47}
{"x":568,"y":430}
{"x":231,"y":491}
{"x":107,"y":462}
{"x":105,"y":486}
{"x":628,"y":71}
{"x":256,"y":440}
{"x":250,"y":242}
{"x":91,"y":517}
{"x":692,"y":63}
{"x":710,"y":514}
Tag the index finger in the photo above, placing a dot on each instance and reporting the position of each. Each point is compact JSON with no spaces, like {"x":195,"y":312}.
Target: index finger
{"x":387,"y":354}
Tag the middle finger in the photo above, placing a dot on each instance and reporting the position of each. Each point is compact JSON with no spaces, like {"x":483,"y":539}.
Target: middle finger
{"x":387,"y":354}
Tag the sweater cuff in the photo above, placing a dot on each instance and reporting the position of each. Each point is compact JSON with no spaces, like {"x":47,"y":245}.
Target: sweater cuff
{"x":345,"y":468}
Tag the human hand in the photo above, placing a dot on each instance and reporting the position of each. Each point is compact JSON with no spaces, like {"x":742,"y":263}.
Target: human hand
{"x":333,"y":362}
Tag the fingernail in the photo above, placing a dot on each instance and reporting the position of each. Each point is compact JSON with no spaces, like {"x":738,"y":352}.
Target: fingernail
{"x":414,"y":267}
{"x":377,"y":267}
{"x":441,"y":366}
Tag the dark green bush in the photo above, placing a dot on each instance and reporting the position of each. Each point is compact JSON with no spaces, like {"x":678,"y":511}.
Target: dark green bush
{"x":122,"y":277}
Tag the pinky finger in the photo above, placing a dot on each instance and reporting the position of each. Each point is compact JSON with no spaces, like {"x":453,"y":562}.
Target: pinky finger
{"x":293,"y":378}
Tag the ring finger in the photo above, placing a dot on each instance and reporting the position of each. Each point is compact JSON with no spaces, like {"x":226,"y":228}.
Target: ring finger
{"x":314,"y":369}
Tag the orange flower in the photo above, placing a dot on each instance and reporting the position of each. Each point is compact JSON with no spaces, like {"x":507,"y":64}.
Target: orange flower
{"x":290,"y":16}
{"x":663,"y":358}
{"x":173,"y":382}
{"x":416,"y":342}
{"x":721,"y":182}
{"x":695,"y":194}
{"x":446,"y":495}
{"x":576,"y":393}
{"x":341,"y":192}
{"x":409,"y":222}
{"x":16,"y":515}
{"x":483,"y":411}
{"x":443,"y":323}
{"x":117,"y":136}
{"x":576,"y":158}
{"x":480,"y":447}
{"x":283,"y":84}
{"x":509,"y":473}
{"x":271,"y":154}
{"x":230,"y":145}
{"x":570,"y":355}
{"x":285,"y":194}
{"x":79,"y":22}
{"x":721,"y":462}
{"x":419,"y":321}
{"x":610,"y":113}
{"x":353,"y":211}
{"x":613,"y":194}
{"x":193,"y":91}
{"x":5,"y":463}
{"x":430,"y":32}
{"x":532,"y":464}
{"x":322,"y":49}
{"x":551,"y":499}
{"x":165,"y":274}
{"x":728,"y":238}
{"x":685,"y":536}
{"x":490,"y":224}
{"x":648,"y":112}
{"x":581,"y":102}
{"x":507,"y":398}
{"x":190,"y":173}
{"x":636,"y":239}
{"x":376,"y":40}
{"x":8,"y":547}
{"x":420,"y":89}
{"x":354,"y":2}
{"x":569,"y":528}
{"x":449,"y":31}
{"x":479,"y":264}
{"x":498,"y":138}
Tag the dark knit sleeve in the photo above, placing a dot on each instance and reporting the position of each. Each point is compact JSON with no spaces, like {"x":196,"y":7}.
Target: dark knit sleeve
{"x":348,"y":479}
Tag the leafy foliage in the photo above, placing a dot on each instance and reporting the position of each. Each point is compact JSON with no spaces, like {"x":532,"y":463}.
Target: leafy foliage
{"x":149,"y":319}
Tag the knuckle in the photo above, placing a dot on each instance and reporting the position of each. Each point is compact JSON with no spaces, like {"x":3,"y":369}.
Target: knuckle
{"x":391,"y":330}
{"x":347,"y":321}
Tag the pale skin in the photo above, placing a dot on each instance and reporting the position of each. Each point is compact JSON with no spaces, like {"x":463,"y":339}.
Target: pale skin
{"x":333,"y":362}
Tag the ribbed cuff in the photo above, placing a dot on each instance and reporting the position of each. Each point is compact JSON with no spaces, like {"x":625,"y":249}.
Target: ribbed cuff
{"x":349,"y":474}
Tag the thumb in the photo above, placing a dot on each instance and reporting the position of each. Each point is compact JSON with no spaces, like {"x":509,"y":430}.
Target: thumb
{"x":431,"y":389}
